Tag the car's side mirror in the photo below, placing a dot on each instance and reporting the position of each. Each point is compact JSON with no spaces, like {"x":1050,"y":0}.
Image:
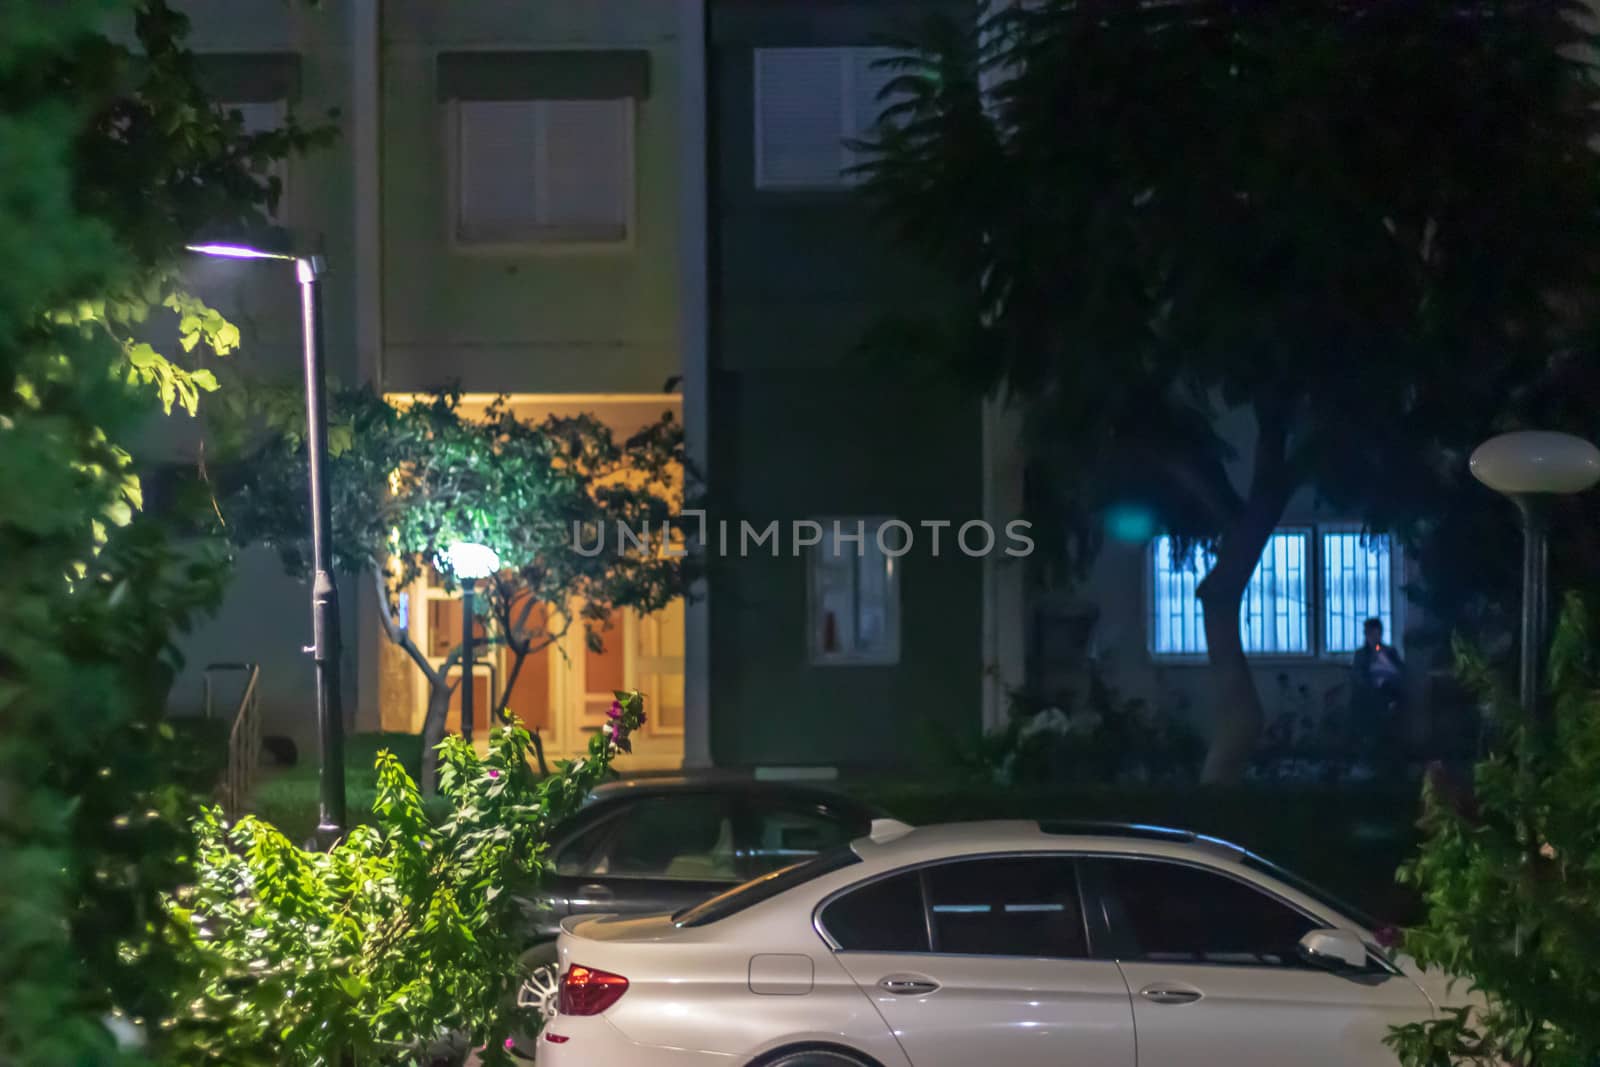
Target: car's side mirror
{"x":1337,"y":950}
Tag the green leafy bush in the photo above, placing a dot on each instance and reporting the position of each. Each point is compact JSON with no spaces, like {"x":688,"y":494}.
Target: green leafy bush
{"x":113,"y":158}
{"x":1511,"y":881}
{"x":403,"y":936}
{"x":1100,"y":737}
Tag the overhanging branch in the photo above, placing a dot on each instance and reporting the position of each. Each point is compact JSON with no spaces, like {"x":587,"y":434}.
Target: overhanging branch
{"x":1204,"y":479}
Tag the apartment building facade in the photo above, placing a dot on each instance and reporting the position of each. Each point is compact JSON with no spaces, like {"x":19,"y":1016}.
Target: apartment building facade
{"x":627,"y":207}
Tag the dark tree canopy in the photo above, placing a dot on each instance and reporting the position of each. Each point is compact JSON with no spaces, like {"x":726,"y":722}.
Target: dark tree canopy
{"x":1361,"y":229}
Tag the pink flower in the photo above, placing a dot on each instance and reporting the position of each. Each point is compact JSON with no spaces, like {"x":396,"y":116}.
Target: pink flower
{"x":493,"y":773}
{"x":617,"y":734}
{"x":615,"y":711}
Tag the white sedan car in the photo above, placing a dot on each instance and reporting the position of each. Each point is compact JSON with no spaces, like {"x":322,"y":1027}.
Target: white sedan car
{"x":1016,"y":943}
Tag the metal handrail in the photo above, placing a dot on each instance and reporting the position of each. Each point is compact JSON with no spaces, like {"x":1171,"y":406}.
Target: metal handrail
{"x":244,"y":736}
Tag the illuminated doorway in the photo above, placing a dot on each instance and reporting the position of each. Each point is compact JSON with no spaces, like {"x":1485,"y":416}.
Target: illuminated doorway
{"x":563,"y":690}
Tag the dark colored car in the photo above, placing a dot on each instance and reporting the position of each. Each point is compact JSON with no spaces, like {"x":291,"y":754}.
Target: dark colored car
{"x":651,"y":845}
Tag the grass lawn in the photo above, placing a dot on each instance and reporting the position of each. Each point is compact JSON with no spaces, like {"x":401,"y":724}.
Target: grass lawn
{"x":287,"y":797}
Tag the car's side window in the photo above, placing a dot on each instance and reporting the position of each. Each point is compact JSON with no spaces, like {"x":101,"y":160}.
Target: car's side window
{"x":1165,"y":912}
{"x":688,"y":836}
{"x":1007,"y":906}
{"x":882,"y":916}
{"x":778,"y":835}
{"x":578,"y":855}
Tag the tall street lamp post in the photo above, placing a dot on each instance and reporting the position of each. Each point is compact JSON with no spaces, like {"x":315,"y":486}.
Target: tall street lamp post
{"x":469,"y":561}
{"x":1530,"y":467}
{"x":325,"y":644}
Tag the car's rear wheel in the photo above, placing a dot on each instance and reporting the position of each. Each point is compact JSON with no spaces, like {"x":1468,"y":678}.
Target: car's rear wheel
{"x":541,"y":984}
{"x":820,"y":1057}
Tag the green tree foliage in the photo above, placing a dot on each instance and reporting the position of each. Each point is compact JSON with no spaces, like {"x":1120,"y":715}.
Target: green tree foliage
{"x":1511,"y":881}
{"x":1335,"y":237}
{"x":410,"y":479}
{"x":111,"y":157}
{"x":404,"y":934}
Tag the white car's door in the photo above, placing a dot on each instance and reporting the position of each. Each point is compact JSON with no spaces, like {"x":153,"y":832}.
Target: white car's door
{"x":1212,"y":964}
{"x":993,"y":968}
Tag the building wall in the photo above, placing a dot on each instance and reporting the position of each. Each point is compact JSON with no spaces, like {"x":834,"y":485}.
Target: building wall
{"x":542,"y":320}
{"x":803,"y":427}
{"x":591,"y":320}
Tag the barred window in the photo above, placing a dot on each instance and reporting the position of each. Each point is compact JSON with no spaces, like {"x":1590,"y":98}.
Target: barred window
{"x":1355,"y":572}
{"x":1274,"y":615}
{"x":1356,"y":586}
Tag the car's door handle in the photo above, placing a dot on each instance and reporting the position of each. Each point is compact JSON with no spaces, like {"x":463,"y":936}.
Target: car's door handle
{"x":907,"y":985}
{"x":595,"y":893}
{"x":1170,"y":994}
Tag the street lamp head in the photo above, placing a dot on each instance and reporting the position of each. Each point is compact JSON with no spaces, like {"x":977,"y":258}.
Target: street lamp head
{"x":1535,"y":462}
{"x":234,"y":251}
{"x":470,"y":561}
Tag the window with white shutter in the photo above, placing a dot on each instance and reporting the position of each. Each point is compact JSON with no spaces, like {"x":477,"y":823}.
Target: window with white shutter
{"x":530,"y":171}
{"x":854,"y":595}
{"x":809,"y":103}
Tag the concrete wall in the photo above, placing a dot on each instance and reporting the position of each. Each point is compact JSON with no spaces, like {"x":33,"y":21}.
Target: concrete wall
{"x":801,"y":428}
{"x":599,"y":319}
{"x":546,"y":321}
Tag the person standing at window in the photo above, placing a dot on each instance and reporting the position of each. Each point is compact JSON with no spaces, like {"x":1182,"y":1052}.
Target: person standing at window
{"x":1377,"y":699}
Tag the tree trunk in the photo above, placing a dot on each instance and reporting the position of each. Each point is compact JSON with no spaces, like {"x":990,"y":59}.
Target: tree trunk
{"x":439,"y":686}
{"x":520,"y":652}
{"x":439,"y":690}
{"x":1236,"y":712}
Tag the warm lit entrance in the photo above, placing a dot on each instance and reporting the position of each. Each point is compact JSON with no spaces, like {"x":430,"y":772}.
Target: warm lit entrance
{"x":563,"y":691}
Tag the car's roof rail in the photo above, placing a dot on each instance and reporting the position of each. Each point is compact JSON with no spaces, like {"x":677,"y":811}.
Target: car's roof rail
{"x":1097,"y":828}
{"x":1138,"y":831}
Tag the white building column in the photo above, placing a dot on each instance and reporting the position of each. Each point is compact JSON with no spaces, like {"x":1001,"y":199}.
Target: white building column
{"x":366,"y":274}
{"x":1004,"y":577}
{"x":693,"y":351}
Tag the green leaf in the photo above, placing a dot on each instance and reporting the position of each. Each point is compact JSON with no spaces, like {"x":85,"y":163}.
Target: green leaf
{"x":143,"y":356}
{"x":225,"y":338}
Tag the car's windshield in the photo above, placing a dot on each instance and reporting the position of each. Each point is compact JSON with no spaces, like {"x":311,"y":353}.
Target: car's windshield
{"x":766,"y":887}
{"x":1314,"y":891}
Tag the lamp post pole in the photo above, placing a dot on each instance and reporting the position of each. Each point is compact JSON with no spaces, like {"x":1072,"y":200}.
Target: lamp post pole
{"x":1530,"y":467}
{"x":325,"y":646}
{"x":468,"y":628}
{"x":468,"y":561}
{"x":1535,"y":510}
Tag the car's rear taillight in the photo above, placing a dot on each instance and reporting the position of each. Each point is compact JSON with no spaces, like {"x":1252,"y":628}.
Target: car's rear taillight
{"x":586,"y":991}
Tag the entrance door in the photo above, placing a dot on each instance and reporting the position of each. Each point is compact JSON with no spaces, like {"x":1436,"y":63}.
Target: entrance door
{"x":563,"y":690}
{"x":643,"y":652}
